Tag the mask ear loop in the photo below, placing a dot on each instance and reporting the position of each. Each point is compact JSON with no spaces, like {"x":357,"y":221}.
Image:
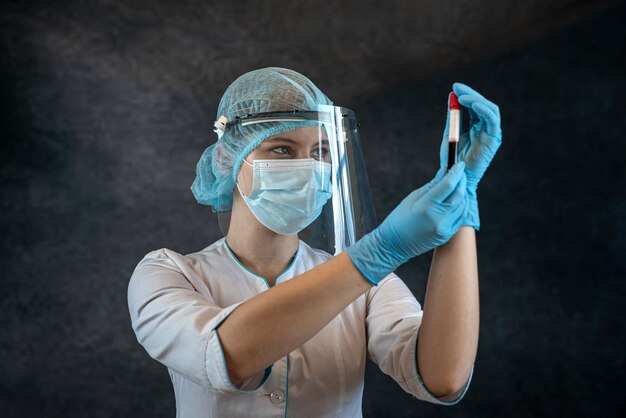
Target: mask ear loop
{"x":237,"y":182}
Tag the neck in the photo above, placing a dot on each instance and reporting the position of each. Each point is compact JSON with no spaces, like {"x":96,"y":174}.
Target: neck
{"x":259,"y":249}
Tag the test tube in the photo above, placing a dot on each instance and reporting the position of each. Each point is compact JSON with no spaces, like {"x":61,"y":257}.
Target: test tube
{"x":454,"y":128}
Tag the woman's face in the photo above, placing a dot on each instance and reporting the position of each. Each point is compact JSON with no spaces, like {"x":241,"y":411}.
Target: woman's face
{"x":309,"y":142}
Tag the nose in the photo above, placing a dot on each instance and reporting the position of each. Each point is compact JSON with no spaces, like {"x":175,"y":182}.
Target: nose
{"x":303,"y":152}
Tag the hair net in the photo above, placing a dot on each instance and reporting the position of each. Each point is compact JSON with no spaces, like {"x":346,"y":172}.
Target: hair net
{"x":271,"y":89}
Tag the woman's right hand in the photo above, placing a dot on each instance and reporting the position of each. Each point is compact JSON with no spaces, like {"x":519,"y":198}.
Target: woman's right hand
{"x":427,"y":218}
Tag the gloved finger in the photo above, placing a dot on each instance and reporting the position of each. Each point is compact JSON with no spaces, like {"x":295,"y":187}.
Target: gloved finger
{"x":448,"y":183}
{"x":473,"y":115}
{"x":457,"y":214}
{"x":461,"y":89}
{"x":439,"y":175}
{"x":456,"y":225}
{"x":457,"y":197}
{"x":452,"y":221}
{"x":465,"y":142}
{"x":489,"y":114}
{"x":491,"y":119}
{"x":468,"y":101}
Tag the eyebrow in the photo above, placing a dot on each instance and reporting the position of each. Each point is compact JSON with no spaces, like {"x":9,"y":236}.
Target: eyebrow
{"x":291,"y":141}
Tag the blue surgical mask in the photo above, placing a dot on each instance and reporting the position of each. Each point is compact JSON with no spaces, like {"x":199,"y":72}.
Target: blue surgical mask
{"x":287,"y":195}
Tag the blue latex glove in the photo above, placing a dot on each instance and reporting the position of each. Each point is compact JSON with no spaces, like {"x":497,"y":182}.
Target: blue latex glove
{"x":427,"y":218}
{"x":477,"y":147}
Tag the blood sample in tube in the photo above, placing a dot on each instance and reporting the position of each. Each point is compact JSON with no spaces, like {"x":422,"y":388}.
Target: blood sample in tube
{"x":454,"y":128}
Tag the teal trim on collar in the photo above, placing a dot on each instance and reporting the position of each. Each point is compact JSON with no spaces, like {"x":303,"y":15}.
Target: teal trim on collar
{"x":232,"y":254}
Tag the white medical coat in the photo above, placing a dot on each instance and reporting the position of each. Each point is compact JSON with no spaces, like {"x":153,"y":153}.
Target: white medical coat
{"x":177,"y":301}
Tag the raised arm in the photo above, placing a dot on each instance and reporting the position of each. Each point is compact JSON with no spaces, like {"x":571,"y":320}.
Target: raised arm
{"x":268,"y":326}
{"x":448,"y":337}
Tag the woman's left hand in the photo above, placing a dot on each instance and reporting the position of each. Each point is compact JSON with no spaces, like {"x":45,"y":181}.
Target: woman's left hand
{"x":476,"y":147}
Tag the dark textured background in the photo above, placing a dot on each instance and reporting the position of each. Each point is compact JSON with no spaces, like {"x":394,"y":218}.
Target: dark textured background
{"x":106,"y":108}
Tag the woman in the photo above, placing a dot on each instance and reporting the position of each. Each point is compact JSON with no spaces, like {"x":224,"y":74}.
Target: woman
{"x":260,"y":323}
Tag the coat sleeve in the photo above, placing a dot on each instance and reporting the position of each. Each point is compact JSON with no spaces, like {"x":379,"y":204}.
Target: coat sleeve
{"x":393,"y":320}
{"x":176,"y":324}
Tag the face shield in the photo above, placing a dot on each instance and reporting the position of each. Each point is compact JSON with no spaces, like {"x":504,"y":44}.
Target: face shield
{"x":308,"y":178}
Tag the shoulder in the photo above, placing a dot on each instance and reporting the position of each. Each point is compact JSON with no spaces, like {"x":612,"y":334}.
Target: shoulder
{"x":188,"y":265}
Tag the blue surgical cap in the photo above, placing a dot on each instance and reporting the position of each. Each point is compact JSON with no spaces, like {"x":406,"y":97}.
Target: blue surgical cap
{"x":271,"y":89}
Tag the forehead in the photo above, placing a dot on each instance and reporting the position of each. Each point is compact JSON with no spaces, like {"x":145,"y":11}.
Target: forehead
{"x":306,"y":135}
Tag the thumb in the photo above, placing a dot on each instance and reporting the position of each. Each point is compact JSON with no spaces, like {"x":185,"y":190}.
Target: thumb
{"x":448,"y":183}
{"x":440,"y":173}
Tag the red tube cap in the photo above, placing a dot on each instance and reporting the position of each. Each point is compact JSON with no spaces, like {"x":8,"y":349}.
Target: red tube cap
{"x":454,"y":101}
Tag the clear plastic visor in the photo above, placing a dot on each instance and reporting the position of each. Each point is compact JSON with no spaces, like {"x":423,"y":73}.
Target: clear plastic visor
{"x":307,"y":179}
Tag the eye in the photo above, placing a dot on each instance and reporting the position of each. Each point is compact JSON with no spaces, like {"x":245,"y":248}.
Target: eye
{"x":282,"y":150}
{"x":321,"y":153}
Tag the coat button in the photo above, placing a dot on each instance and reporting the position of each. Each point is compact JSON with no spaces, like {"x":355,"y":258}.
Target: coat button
{"x":277,"y":397}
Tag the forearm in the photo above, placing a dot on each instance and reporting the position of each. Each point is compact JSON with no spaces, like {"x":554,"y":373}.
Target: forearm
{"x":268,"y":326}
{"x":448,"y":336}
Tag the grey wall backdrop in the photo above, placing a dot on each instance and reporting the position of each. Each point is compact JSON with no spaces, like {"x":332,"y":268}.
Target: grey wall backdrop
{"x":106,"y":107}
